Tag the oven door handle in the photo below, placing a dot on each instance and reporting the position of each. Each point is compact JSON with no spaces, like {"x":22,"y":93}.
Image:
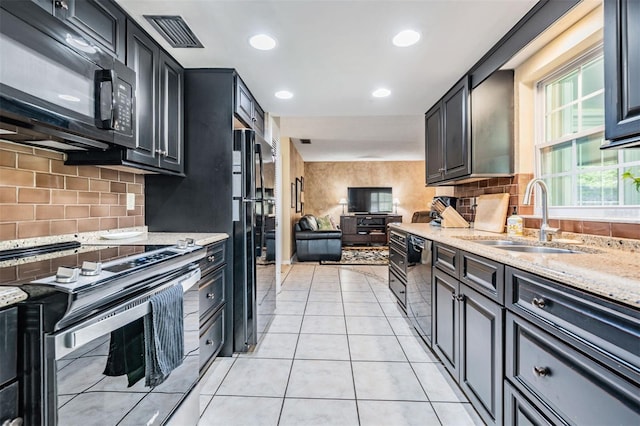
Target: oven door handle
{"x":115,"y":318}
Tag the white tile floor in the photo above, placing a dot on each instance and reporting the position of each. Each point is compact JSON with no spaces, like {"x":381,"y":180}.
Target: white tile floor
{"x":338,"y":352}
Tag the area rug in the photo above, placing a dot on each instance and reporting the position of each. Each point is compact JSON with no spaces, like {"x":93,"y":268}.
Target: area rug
{"x":378,"y":255}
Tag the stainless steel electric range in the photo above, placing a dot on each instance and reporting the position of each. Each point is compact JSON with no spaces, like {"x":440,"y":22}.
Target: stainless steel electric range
{"x":81,"y":298}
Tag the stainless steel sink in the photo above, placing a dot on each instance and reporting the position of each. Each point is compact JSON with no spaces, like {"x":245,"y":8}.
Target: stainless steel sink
{"x":536,"y":249}
{"x":497,"y":242}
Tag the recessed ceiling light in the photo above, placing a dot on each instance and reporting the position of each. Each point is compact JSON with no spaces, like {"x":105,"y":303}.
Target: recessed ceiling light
{"x":381,"y":93}
{"x":406,"y":38}
{"x":284,"y":94}
{"x":262,"y":42}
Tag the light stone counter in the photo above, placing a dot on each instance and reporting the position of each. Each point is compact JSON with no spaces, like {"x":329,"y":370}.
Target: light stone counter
{"x":95,"y":238}
{"x":601,"y":270}
{"x":161,"y":238}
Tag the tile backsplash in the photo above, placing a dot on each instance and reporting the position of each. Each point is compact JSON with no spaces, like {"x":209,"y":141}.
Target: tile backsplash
{"x":40,"y":196}
{"x":515,"y":186}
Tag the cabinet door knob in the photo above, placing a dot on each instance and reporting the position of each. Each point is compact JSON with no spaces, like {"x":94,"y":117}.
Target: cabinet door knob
{"x":460,"y":297}
{"x":60,"y":4}
{"x":211,"y":296}
{"x":541,"y":371}
{"x":538,"y":302}
{"x":211,"y":258}
{"x":209,"y":342}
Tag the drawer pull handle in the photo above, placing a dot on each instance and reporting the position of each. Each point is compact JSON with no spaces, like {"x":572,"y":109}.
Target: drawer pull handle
{"x":209,"y":342}
{"x":211,"y":258}
{"x":541,"y":371}
{"x":538,"y":302}
{"x":211,"y":296}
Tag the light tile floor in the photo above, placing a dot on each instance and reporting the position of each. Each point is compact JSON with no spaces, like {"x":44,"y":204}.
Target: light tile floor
{"x":338,"y":352}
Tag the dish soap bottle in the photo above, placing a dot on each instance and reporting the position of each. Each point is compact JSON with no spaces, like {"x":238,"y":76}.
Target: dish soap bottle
{"x":514,"y":224}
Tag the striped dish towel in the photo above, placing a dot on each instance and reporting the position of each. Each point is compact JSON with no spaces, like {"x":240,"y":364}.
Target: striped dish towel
{"x":164,"y":335}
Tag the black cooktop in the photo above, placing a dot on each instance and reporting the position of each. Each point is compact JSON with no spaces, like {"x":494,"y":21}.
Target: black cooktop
{"x":23,"y":265}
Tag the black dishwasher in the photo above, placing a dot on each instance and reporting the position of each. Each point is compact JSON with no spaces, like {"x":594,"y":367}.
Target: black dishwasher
{"x":419,"y":285}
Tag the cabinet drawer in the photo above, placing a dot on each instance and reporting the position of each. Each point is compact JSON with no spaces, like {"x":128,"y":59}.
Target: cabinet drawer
{"x":211,"y":292}
{"x":8,"y":344}
{"x":213,"y":258}
{"x":396,"y":237}
{"x":483,"y":275}
{"x":398,"y":287}
{"x":211,"y":338}
{"x":378,"y":238}
{"x":608,"y":331}
{"x":398,"y":259}
{"x":446,"y":259}
{"x":564,"y":381}
{"x":518,"y":411}
{"x":9,"y":403}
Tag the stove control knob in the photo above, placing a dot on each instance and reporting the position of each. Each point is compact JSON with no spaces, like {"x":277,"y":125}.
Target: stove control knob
{"x":182,"y":244}
{"x":67,"y":274}
{"x":190,"y":242}
{"x":91,"y":269}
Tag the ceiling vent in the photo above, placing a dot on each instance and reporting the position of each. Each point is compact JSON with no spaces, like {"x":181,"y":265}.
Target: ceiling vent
{"x":305,"y":141}
{"x":174,"y":30}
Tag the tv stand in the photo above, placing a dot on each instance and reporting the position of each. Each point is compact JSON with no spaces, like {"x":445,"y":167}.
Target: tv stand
{"x":366,"y":229}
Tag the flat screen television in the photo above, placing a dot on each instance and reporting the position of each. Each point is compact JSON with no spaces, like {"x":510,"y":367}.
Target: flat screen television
{"x":370,"y":200}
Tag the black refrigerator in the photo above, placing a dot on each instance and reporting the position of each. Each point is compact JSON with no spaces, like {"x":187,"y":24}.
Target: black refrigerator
{"x":253,"y":209}
{"x":204,"y":201}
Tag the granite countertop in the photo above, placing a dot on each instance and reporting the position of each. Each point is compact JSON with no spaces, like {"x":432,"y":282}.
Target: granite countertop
{"x":599,"y":269}
{"x":96,"y":238}
{"x":159,"y":238}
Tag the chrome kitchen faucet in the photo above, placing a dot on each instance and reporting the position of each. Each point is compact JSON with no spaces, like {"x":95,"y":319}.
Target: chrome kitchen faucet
{"x":546,"y":232}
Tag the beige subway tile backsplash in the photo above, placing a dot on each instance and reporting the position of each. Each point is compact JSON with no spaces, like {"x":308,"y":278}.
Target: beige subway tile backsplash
{"x":40,"y":196}
{"x":31,"y":162}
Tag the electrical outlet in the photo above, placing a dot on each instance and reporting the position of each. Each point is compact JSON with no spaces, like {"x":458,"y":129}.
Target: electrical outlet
{"x":131,"y":201}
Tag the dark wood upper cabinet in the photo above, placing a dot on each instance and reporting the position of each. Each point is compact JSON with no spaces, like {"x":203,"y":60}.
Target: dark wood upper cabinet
{"x":433,"y":144}
{"x":100,"y":19}
{"x":142,"y":57}
{"x":622,"y":73}
{"x":455,"y":108}
{"x":469,"y":133}
{"x":159,"y":98}
{"x":447,"y":136}
{"x":247,"y":108}
{"x":170,"y":111}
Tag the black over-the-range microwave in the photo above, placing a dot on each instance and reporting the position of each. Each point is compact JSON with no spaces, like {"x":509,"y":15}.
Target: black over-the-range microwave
{"x":57,"y":89}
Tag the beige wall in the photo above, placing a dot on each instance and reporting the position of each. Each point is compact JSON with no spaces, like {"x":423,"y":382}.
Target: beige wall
{"x":326,"y":182}
{"x":572,"y":43}
{"x":293,"y":167}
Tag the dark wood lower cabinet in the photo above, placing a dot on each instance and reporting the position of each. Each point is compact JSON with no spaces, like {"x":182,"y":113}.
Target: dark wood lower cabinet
{"x":467,"y":336}
{"x":565,"y":384}
{"x":445,"y":320}
{"x":530,"y":351}
{"x":481,"y":351}
{"x":518,"y":411}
